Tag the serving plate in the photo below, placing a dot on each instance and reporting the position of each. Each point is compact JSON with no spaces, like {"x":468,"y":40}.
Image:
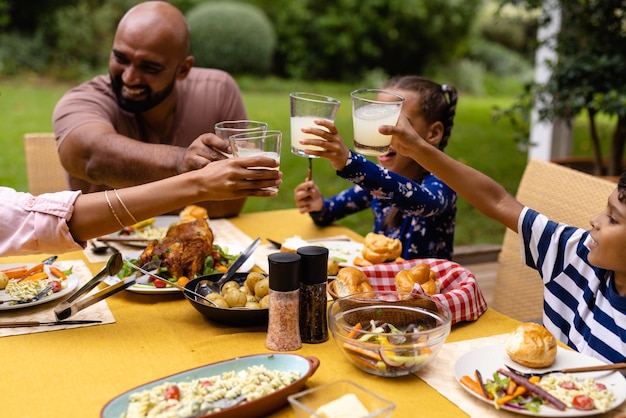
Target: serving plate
{"x":489,"y":359}
{"x":72,"y":283}
{"x":256,"y":408}
{"x":149,"y":289}
{"x":159,"y":222}
{"x":343,"y":252}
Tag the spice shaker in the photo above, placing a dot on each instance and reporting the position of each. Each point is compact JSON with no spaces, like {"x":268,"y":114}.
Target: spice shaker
{"x":283,"y":330}
{"x":313,"y":276}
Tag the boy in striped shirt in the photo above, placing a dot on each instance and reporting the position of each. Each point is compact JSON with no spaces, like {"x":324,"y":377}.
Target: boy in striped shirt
{"x":583,"y":271}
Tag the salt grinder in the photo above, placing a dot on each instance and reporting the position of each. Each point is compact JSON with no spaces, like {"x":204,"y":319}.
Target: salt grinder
{"x":313,"y":276}
{"x":283,"y":330}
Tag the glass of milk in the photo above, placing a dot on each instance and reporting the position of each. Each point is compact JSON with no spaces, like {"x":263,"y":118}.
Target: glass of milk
{"x":305,"y":108}
{"x":370,"y":109}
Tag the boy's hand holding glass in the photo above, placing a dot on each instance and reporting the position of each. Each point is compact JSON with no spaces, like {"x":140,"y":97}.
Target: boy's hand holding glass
{"x":370,"y":109}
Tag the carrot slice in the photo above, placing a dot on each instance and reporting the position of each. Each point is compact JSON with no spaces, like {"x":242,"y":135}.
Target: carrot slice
{"x":362,"y":352}
{"x":34,"y":277}
{"x":470,"y":383}
{"x":519,"y":390}
{"x":56,"y":272}
{"x":364,"y":362}
{"x":511,"y":387}
{"x":15,"y":272}
{"x":355,"y":330}
{"x":34,"y":269}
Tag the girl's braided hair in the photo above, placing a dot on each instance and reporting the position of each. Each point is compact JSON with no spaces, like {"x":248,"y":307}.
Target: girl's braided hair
{"x":438,"y":102}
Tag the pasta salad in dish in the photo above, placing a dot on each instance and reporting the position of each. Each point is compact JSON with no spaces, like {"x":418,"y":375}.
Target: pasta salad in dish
{"x":188,"y":398}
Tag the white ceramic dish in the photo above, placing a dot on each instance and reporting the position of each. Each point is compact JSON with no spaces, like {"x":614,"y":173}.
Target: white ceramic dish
{"x":72,"y":283}
{"x":342,"y":251}
{"x":489,"y":359}
{"x":159,"y":222}
{"x":232,"y":249}
{"x":257,"y":408}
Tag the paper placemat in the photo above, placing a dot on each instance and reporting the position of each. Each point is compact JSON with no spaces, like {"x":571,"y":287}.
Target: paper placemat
{"x":45,"y":312}
{"x":440,"y":376}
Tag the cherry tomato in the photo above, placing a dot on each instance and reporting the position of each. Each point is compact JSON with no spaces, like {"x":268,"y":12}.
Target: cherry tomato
{"x":206,"y":383}
{"x":600,"y":386}
{"x":159,"y":284}
{"x":56,"y":286}
{"x":172,"y":392}
{"x":583,"y":402}
{"x":216,"y":256}
{"x":567,"y":385}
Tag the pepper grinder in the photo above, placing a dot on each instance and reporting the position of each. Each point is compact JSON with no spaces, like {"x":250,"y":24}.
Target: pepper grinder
{"x":283,"y":330}
{"x":313,"y":299}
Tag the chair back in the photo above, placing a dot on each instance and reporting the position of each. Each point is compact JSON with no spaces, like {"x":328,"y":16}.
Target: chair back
{"x":43,"y":166}
{"x":563,"y":195}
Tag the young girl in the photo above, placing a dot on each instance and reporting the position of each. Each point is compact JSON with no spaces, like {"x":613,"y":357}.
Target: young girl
{"x":408,"y":202}
{"x":583,"y":271}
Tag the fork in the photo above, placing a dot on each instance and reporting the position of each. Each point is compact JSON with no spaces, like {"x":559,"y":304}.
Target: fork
{"x":35,"y":298}
{"x":614,"y":366}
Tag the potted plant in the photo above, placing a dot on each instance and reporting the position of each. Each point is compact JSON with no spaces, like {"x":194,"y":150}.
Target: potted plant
{"x":587,"y":75}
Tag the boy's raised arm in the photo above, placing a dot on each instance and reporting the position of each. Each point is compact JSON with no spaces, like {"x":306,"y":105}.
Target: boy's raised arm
{"x":479,"y":190}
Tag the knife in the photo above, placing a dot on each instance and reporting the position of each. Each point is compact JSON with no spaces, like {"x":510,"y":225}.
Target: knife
{"x":17,"y":324}
{"x":239,"y":261}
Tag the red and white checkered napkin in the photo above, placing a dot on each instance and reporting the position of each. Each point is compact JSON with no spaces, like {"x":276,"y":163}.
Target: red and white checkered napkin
{"x":459,"y":288}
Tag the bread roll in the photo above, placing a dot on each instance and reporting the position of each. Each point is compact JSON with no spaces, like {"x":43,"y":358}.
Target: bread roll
{"x":351,"y":280}
{"x":192,"y":213}
{"x":420,"y":274}
{"x":378,"y":248}
{"x":531,"y":345}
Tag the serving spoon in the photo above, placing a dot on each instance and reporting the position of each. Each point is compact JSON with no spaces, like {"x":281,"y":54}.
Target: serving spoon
{"x":207,"y":286}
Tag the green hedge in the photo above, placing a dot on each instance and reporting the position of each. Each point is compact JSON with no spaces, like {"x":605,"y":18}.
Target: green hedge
{"x":235,"y":37}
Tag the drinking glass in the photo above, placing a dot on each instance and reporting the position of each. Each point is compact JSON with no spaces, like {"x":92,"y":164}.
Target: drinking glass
{"x":305,"y":108}
{"x":370,"y":109}
{"x":228,"y":128}
{"x":266,"y":143}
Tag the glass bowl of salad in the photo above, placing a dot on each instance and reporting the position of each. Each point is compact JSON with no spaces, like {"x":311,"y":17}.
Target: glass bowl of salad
{"x":389,"y":333}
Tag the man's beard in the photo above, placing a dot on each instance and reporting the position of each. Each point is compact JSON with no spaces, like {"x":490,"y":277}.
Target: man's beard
{"x":139,"y":106}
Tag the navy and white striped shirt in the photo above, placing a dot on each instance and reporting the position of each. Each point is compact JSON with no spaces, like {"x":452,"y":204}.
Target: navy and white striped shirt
{"x":580,"y":304}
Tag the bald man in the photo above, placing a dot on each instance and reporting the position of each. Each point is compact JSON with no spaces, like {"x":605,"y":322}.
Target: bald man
{"x":153,"y":116}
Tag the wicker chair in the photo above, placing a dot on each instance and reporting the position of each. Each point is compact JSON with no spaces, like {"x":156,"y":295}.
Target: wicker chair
{"x":562,"y":194}
{"x":43,"y":167}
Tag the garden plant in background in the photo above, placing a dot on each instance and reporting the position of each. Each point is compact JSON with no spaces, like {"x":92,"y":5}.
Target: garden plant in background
{"x":587,"y":76}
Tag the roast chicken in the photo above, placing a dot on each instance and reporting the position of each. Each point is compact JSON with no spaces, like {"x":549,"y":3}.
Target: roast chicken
{"x":183,"y":249}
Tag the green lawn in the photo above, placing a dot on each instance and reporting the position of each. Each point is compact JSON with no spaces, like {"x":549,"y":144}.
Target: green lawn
{"x":26,"y":106}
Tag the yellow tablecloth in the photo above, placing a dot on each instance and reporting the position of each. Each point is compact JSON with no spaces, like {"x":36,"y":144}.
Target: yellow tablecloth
{"x":75,"y":372}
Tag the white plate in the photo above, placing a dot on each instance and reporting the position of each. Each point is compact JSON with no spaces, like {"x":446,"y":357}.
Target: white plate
{"x":72,"y":282}
{"x":159,"y":222}
{"x":231,"y":249}
{"x":489,"y":359}
{"x":343,"y":251}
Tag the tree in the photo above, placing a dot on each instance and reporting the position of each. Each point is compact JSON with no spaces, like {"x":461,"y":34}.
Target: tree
{"x":588,"y":74}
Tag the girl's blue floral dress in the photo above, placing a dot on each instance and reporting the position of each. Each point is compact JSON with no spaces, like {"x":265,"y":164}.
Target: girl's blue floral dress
{"x":428,"y":209}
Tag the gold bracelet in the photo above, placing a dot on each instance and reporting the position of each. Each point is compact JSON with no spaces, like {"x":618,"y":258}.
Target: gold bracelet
{"x":117,"y":218}
{"x":119,"y":199}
